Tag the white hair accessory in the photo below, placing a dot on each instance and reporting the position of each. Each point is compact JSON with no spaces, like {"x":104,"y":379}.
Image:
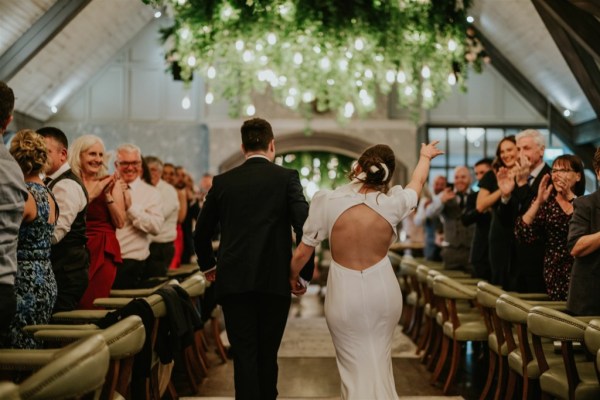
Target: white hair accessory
{"x":375,"y":168}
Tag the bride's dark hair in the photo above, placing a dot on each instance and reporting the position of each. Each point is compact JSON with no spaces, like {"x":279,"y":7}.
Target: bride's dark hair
{"x":378,"y":163}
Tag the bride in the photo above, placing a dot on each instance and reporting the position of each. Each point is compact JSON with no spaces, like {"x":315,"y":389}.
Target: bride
{"x":363,"y":302}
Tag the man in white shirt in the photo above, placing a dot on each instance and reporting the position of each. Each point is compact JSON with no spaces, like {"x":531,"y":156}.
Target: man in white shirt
{"x":69,"y":254}
{"x":162,"y":246}
{"x":143,"y":206}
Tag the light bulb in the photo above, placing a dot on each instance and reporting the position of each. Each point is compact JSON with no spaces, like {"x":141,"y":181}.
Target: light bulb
{"x":324,"y":63}
{"x":191,"y":61}
{"x":567,"y":113}
{"x":401,"y":78}
{"x":425,"y":72}
{"x":54,"y":109}
{"x":271,"y":38}
{"x":452,"y":79}
{"x":390,"y":76}
{"x":452,"y":45}
{"x":298,"y":58}
{"x":348,"y":110}
{"x":209,"y":98}
{"x":239,"y":45}
{"x":250,"y":110}
{"x":359,"y":44}
{"x":211,"y":72}
{"x":186,"y":103}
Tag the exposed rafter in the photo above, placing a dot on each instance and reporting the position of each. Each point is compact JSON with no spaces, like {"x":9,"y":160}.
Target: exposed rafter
{"x":580,"y":62}
{"x":558,"y":124}
{"x":36,"y":37}
{"x":591,"y":6}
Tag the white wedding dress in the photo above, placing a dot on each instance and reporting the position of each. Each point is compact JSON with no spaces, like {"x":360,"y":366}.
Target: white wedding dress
{"x":362,"y":308}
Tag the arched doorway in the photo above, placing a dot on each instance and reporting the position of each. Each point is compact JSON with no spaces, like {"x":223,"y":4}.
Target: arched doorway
{"x":319,"y":141}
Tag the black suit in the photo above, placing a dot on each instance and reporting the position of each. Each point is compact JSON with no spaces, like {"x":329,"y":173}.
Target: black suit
{"x":479,"y":256}
{"x":255,"y":205}
{"x":527,"y":273}
{"x":584,"y":289}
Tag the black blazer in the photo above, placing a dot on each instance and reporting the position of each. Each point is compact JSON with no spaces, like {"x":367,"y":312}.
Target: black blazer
{"x":527,"y":273}
{"x":256,"y":205}
{"x":584,"y":289}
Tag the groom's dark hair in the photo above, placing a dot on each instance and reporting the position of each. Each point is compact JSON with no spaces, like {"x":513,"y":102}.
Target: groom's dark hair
{"x":256,"y":134}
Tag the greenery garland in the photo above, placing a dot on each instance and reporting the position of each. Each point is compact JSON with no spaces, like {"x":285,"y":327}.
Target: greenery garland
{"x":336,"y":55}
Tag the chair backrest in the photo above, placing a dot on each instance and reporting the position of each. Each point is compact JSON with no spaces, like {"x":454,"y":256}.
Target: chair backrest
{"x":592,"y":336}
{"x":195,"y":285}
{"x":553,"y":324}
{"x":487,"y":294}
{"x":78,"y":369}
{"x":9,"y":391}
{"x":449,"y":288}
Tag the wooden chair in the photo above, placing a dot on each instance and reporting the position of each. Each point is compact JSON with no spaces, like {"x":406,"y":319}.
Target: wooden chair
{"x":76,"y":371}
{"x":569,"y":379}
{"x":124,"y":339}
{"x":458,"y":328}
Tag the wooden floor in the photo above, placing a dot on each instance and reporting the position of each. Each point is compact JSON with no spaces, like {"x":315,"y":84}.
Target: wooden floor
{"x":317,"y":377}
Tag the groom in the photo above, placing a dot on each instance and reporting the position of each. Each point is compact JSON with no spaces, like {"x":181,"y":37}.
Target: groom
{"x":255,"y":205}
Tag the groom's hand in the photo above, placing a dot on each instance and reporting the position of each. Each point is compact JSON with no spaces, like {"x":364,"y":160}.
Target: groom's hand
{"x":297,"y":287}
{"x":211,"y":275}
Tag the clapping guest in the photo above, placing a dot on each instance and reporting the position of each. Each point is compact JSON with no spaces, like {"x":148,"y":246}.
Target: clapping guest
{"x":501,"y":239}
{"x":144,"y":217}
{"x":35,"y":286}
{"x":105,"y":214}
{"x":548,"y":219}
{"x":518,"y":191}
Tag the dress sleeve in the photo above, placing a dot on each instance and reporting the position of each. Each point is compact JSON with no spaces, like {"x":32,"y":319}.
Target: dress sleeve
{"x":530,"y":233}
{"x":315,"y":227}
{"x":406,"y":198}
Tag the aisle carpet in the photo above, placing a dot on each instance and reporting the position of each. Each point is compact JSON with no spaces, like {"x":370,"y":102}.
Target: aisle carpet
{"x":309,"y":337}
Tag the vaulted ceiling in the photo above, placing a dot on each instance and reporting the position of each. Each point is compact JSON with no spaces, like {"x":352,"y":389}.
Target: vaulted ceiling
{"x":548,"y":49}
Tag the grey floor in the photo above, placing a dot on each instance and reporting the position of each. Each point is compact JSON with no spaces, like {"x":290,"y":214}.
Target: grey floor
{"x":316,"y":378}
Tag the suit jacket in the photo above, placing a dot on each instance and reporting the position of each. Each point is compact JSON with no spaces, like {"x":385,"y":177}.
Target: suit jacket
{"x":527,"y":271}
{"x":256,"y":205}
{"x":455,"y":233}
{"x":584,"y":290}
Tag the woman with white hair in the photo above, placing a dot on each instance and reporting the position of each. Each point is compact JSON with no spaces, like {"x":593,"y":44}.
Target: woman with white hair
{"x":105,"y":214}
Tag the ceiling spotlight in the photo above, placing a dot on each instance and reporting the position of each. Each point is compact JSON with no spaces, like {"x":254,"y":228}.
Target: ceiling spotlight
{"x":157,"y":14}
{"x":567,"y":113}
{"x":470,"y":19}
{"x":54,"y":109}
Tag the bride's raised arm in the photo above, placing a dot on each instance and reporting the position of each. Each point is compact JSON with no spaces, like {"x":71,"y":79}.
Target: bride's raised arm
{"x":421,"y":172}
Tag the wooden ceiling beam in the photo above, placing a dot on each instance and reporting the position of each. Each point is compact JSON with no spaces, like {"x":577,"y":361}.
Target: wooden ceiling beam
{"x":590,"y":6}
{"x":580,"y":62}
{"x":38,"y":35}
{"x":579,"y":24}
{"x":557,"y":123}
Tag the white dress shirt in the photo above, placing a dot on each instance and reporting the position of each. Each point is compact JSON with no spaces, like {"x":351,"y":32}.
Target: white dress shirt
{"x":170,"y":210}
{"x":144,"y":218}
{"x":71,"y":201}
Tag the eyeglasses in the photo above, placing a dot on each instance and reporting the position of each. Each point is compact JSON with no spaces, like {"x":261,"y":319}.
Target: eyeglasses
{"x":129,"y":163}
{"x":561,"y":171}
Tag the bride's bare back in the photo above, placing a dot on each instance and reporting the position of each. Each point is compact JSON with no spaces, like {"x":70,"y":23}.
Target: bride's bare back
{"x":360,"y":238}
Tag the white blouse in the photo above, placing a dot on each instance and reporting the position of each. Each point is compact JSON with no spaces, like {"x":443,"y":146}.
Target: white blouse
{"x":328,"y":205}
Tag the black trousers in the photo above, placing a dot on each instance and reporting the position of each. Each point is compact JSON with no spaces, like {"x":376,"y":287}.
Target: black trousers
{"x":255,"y":323}
{"x":157,"y":264}
{"x":8,"y":307}
{"x":71,"y":267}
{"x":129,"y":274}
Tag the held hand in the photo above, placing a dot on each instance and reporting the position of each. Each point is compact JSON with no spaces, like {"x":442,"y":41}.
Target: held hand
{"x":429,"y":151}
{"x":211,"y":275}
{"x":297,"y":287}
{"x":506,"y":182}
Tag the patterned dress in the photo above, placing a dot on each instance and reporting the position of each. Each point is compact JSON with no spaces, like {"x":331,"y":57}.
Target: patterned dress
{"x":551,"y":224}
{"x":35,"y":286}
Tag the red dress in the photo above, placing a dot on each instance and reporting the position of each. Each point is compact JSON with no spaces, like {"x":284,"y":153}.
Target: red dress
{"x":105,"y":252}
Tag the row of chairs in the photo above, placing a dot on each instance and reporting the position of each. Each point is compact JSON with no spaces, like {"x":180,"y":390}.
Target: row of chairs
{"x":535,"y":348}
{"x":122,"y":341}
